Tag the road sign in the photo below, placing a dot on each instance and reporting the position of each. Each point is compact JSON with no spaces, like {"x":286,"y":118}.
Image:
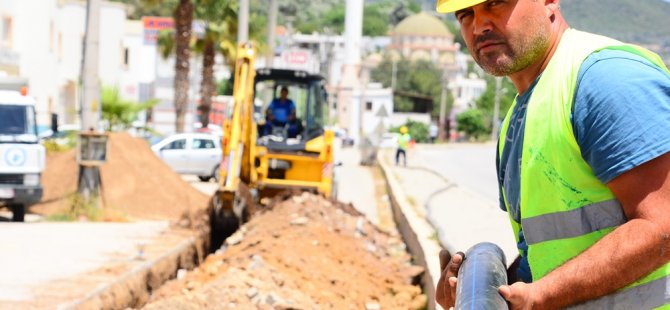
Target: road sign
{"x":382,"y":111}
{"x":380,"y":129}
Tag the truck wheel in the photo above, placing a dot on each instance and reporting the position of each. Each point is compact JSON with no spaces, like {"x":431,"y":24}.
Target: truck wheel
{"x":18,"y":212}
{"x":204,"y":178}
{"x":216,"y":174}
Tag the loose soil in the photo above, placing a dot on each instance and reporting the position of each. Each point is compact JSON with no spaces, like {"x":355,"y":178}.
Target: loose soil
{"x":304,"y":253}
{"x":136,"y":184}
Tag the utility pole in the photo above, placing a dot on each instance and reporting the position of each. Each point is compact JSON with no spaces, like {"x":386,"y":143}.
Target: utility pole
{"x":89,"y":175}
{"x":90,"y":105}
{"x":496,"y":107}
{"x":394,"y":71}
{"x":272,"y":25}
{"x":443,"y":114}
{"x":243,"y":22}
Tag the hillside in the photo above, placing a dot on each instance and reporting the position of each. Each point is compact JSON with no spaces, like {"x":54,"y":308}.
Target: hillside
{"x":639,"y":21}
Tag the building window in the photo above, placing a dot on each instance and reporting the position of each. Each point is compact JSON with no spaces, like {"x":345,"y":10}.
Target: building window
{"x":6,"y":31}
{"x":368,"y":106}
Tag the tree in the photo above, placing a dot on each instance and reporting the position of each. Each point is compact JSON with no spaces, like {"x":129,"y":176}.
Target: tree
{"x":183,"y":18}
{"x":220,"y":35}
{"x":485,"y":103}
{"x":119,"y":113}
{"x":417,"y":130}
{"x":472,"y":122}
{"x":418,"y":77}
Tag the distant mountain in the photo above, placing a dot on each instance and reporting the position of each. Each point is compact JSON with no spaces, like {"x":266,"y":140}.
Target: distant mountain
{"x":638,"y":21}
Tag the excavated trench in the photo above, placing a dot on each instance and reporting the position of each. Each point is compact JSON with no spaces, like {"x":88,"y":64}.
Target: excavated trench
{"x":300,"y":251}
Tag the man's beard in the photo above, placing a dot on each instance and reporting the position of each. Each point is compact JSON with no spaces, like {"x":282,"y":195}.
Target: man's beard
{"x":516,"y":56}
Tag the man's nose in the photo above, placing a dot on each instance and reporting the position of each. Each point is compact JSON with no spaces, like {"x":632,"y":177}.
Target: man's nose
{"x":482,"y":24}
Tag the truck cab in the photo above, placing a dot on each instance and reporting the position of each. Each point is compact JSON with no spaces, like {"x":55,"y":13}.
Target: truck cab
{"x":22,"y":157}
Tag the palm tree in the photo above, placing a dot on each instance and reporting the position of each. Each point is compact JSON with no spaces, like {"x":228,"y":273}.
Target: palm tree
{"x":220,"y":34}
{"x":183,"y":17}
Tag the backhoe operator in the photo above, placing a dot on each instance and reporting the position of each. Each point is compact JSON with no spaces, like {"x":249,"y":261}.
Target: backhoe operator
{"x":582,"y":159}
{"x":281,"y":113}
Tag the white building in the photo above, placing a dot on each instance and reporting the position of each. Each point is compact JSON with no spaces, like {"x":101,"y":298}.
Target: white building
{"x":377,"y":110}
{"x":43,"y":42}
{"x":465,"y":88}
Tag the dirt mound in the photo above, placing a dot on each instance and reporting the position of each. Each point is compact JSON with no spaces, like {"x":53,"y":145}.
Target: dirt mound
{"x":134,"y":182}
{"x":305,"y":253}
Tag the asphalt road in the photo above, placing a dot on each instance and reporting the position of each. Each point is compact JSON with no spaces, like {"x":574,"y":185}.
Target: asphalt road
{"x":471,"y":166}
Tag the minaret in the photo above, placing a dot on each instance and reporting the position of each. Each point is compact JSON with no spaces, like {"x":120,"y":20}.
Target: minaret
{"x":353,"y":32}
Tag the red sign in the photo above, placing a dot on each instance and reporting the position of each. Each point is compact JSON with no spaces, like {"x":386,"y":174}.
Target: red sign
{"x":296,"y":57}
{"x":154,"y":24}
{"x":157,"y":23}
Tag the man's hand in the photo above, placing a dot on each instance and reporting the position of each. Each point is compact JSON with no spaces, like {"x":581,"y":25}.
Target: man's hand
{"x":520,"y":296}
{"x":445,"y":293}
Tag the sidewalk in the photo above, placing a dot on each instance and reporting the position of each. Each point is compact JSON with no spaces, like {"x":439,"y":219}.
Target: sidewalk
{"x":356,"y":183}
{"x":460,"y":217}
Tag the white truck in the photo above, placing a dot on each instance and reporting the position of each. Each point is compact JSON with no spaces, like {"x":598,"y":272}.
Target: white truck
{"x":22,"y":157}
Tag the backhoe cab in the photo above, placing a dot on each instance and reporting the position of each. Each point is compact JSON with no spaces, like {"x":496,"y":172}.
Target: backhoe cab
{"x":296,"y":153}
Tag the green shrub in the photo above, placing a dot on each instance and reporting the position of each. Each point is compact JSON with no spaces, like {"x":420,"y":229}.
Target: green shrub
{"x":472,"y":122}
{"x":417,"y":130}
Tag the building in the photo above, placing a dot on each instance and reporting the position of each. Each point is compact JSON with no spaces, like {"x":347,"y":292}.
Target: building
{"x":42,"y":41}
{"x":424,"y":37}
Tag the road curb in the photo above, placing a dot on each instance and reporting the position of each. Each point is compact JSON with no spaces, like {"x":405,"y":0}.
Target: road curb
{"x":134,"y":288}
{"x":416,"y":231}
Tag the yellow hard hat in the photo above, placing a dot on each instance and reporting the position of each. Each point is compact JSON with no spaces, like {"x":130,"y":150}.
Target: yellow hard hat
{"x":403,"y":129}
{"x":448,"y":6}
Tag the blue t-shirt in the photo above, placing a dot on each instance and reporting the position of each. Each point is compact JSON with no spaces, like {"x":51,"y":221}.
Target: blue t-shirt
{"x":620,"y":119}
{"x":281,"y":110}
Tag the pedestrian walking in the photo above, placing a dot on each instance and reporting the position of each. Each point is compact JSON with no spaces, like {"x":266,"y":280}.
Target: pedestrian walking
{"x":582,"y":160}
{"x":433,"y":131}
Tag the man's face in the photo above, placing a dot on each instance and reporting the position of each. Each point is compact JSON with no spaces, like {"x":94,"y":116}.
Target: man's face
{"x":506,"y":36}
{"x":283,"y":94}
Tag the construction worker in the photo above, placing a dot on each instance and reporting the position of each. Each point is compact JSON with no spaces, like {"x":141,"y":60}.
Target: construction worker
{"x":403,"y":143}
{"x":583,"y":163}
{"x":281,"y":112}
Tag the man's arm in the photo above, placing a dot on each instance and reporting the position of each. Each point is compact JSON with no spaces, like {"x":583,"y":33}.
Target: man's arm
{"x":628,"y":253}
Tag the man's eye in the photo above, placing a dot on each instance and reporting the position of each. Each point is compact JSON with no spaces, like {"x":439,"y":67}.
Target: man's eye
{"x":462,"y":16}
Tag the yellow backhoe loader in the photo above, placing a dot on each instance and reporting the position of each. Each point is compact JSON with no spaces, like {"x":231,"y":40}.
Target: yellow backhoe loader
{"x":262,"y":157}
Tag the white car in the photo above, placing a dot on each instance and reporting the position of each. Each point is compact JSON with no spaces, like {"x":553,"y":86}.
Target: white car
{"x":191,"y":153}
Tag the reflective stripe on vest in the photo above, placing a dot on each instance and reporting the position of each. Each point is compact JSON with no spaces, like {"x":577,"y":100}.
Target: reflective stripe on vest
{"x":573,"y":223}
{"x":646,"y":296}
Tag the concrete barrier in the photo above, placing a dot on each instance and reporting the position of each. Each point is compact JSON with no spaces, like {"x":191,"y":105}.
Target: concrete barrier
{"x":416,"y":232}
{"x":134,"y":288}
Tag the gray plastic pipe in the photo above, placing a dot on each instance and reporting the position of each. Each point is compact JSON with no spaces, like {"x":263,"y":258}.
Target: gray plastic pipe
{"x":482,"y":272}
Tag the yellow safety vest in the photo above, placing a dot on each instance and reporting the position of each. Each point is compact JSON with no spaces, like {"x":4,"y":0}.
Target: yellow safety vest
{"x":564,"y":208}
